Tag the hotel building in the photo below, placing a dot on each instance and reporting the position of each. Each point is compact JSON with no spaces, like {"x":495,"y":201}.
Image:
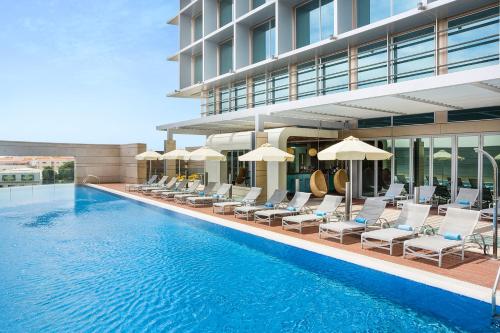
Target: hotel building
{"x":420,"y":79}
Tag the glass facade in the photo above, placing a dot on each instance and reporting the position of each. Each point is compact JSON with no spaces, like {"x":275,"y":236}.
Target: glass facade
{"x":259,"y":91}
{"x":473,"y":40}
{"x":226,"y":57}
{"x":442,"y":166}
{"x":210,"y":105}
{"x":198,"y":27}
{"x":413,"y":55}
{"x":467,"y":162}
{"x":237,"y":173}
{"x":421,"y":161}
{"x":198,"y":69}
{"x":314,"y":22}
{"x":225,"y":100}
{"x":384,"y":166}
{"x":402,"y":162}
{"x":306,"y":80}
{"x":334,"y":71}
{"x":263,"y":41}
{"x":257,"y":3}
{"x":372,"y":64}
{"x":474,"y":114}
{"x":414,"y":119}
{"x":370,"y":11}
{"x":491,"y":145}
{"x":368,"y":176}
{"x":239,"y":96}
{"x":225,"y":12}
{"x":278,"y":87}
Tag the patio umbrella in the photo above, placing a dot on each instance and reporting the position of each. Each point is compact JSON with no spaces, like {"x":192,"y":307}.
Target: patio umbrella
{"x":267,"y":153}
{"x":443,"y":155}
{"x":148,"y":156}
{"x":352,"y":149}
{"x":178,"y":154}
{"x":497,"y":157}
{"x":206,"y":154}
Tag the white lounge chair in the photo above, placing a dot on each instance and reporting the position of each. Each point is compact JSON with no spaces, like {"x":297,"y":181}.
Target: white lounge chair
{"x":325,"y":210}
{"x":466,"y":198}
{"x":393,"y":192}
{"x":249,"y":199}
{"x":426,"y":195}
{"x":136,"y":187}
{"x":368,"y":216}
{"x":458,"y":225}
{"x":221,"y":194}
{"x":207,"y":190}
{"x":274,"y":201}
{"x":190,"y":190}
{"x":155,"y":186}
{"x":488,"y":213}
{"x":178,"y":187}
{"x":408,"y":225}
{"x":170,"y":186}
{"x":294,"y":207}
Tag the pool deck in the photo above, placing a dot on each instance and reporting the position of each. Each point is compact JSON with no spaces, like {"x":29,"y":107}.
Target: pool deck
{"x":473,"y":278}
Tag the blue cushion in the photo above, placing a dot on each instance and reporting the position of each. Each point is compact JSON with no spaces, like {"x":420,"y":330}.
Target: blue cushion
{"x":217,"y":196}
{"x":464,"y":202}
{"x":360,"y":220}
{"x":423,"y":199}
{"x":201,"y":194}
{"x":291,"y":209}
{"x":451,"y":236}
{"x":268,"y":205}
{"x":405,"y":227}
{"x":320,"y":213}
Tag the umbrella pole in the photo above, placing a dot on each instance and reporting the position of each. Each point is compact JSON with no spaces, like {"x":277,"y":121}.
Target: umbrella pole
{"x":350,"y":190}
{"x":149,"y":168}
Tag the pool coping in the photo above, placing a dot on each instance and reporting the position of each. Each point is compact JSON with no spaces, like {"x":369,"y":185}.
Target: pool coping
{"x":449,"y":284}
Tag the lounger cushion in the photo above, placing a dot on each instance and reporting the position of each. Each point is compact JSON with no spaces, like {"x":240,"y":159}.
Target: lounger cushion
{"x":227,"y":203}
{"x":271,"y":212}
{"x":320,"y":213}
{"x":302,"y":218}
{"x":340,"y":226}
{"x":432,"y":243}
{"x":248,"y":209}
{"x":405,"y":227}
{"x":387,"y":235}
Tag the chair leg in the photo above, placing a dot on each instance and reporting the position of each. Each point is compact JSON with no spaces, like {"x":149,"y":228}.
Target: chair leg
{"x":440,"y":258}
{"x":390,"y":248}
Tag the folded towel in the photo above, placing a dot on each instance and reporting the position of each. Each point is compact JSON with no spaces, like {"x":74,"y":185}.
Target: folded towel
{"x":405,"y":227}
{"x":268,"y":205}
{"x":360,"y":220}
{"x":423,"y":199}
{"x":291,"y":209}
{"x":452,"y":236}
{"x":320,"y":213}
{"x":464,"y":202}
{"x":201,"y":194}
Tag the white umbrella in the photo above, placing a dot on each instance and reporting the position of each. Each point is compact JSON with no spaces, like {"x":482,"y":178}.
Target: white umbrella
{"x":178,"y":154}
{"x":350,"y":149}
{"x":148,"y":156}
{"x":443,"y":155}
{"x":497,"y":157}
{"x":206,"y":154}
{"x":267,"y":153}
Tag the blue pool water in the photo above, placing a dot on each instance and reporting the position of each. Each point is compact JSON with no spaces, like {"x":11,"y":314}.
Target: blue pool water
{"x":76,"y":259}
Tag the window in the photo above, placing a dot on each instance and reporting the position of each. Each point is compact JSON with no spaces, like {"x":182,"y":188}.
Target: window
{"x":239,"y":96}
{"x":224,"y":102}
{"x":473,"y":40}
{"x":474,"y":114}
{"x":278,"y":87}
{"x":257,"y":3}
{"x":259,"y":91}
{"x":414,"y":119}
{"x":306,"y":80}
{"x":492,"y":146}
{"x":467,"y":160}
{"x":263,"y":41}
{"x":334,"y":73}
{"x":413,"y":55}
{"x":198,"y":27}
{"x":372,"y":64}
{"x":369,"y":11}
{"x":384,"y":166}
{"x":225,"y":12}
{"x":399,"y":6}
{"x":314,"y":22}
{"x":375,"y":122}
{"x":238,"y":173}
{"x":402,"y":162}
{"x":210,"y":106}
{"x":198,"y":68}
{"x":442,"y":166}
{"x":226,"y":57}
{"x":27,"y":178}
{"x":8,"y":178}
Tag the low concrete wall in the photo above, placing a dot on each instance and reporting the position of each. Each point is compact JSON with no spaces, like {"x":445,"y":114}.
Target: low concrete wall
{"x":111,"y":163}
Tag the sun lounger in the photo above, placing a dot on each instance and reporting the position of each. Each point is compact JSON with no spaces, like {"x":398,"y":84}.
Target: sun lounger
{"x":181,"y":196}
{"x":408,"y":225}
{"x":458,"y":225}
{"x":294,"y":207}
{"x":207,"y":190}
{"x":466,"y":198}
{"x":190,"y":190}
{"x":170,"y":186}
{"x":488,"y":213}
{"x":426,"y":194}
{"x":176,"y":188}
{"x":136,"y":187}
{"x":220,"y":195}
{"x":368,"y":216}
{"x":249,"y":199}
{"x":393,"y":192}
{"x":157,"y":185}
{"x":325,"y":210}
{"x":274,"y":201}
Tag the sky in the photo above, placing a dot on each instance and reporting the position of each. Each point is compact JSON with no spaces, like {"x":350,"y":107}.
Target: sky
{"x":90,"y":71}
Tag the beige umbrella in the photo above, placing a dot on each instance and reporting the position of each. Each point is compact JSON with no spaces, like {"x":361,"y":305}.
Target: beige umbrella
{"x":443,"y":155}
{"x":178,"y":154}
{"x":497,"y":157}
{"x":352,"y":149}
{"x":206,"y":154}
{"x":148,"y":156}
{"x":267,"y":153}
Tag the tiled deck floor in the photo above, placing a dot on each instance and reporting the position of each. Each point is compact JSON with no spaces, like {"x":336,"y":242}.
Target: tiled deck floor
{"x":477,"y":268}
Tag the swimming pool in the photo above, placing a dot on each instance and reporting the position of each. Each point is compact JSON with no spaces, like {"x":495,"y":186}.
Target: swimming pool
{"x":80,"y":259}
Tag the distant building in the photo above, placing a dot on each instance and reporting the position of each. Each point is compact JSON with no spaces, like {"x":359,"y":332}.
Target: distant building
{"x":20,"y":177}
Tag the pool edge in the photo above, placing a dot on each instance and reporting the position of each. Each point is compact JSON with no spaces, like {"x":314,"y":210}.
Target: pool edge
{"x":449,"y":284}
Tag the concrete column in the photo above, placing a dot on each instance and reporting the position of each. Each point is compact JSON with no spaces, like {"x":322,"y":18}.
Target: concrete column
{"x":353,"y":68}
{"x":261,"y":167}
{"x":171,"y":165}
{"x":442,"y":44}
{"x":440,"y":117}
{"x":249,"y":93}
{"x":293,"y":82}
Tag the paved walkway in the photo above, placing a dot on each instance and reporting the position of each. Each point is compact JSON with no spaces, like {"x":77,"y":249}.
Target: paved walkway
{"x":477,"y":268}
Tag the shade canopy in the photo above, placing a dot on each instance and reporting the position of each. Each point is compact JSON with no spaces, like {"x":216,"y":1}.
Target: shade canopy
{"x":206,"y":154}
{"x":267,"y":153}
{"x":178,"y":154}
{"x":352,"y":148}
{"x":148,"y":156}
